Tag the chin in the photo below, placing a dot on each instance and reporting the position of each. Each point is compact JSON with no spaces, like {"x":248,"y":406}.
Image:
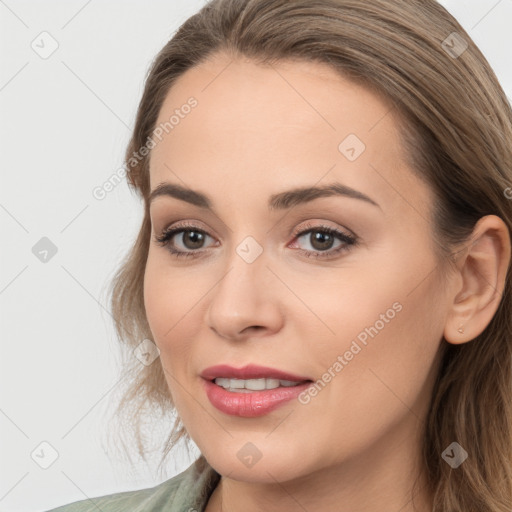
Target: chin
{"x":257,"y":462}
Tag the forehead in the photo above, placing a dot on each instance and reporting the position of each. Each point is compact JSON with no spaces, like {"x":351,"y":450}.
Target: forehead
{"x":290,"y":123}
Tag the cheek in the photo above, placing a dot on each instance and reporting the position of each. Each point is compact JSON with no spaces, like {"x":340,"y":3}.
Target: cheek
{"x":384,"y":314}
{"x":169,"y":294}
{"x":387,"y":328}
{"x":174,"y":300}
{"x":157,"y":297}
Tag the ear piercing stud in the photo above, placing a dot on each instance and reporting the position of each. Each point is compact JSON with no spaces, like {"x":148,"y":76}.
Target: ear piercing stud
{"x":460,"y":329}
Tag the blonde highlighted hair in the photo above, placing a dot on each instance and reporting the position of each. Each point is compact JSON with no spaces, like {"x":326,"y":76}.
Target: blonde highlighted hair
{"x":456,"y":125}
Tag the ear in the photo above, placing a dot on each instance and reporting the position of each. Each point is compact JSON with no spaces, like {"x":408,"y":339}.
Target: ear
{"x":481,"y":277}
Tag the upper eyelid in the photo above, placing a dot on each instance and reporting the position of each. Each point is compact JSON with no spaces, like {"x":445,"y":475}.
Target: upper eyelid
{"x":310,"y":226}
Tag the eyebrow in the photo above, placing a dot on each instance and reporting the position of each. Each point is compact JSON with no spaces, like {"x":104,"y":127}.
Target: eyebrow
{"x":280,"y":201}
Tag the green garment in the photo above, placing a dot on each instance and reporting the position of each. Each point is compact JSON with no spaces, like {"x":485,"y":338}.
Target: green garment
{"x":188,"y":491}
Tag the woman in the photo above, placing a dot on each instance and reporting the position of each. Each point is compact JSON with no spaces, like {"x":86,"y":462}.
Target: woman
{"x":323,"y":263}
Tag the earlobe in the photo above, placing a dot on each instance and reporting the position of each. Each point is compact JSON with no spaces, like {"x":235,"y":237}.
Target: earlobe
{"x":482,"y":272}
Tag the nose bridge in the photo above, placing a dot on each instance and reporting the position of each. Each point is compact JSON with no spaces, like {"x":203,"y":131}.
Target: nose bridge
{"x":245,"y":269}
{"x":243,"y":298}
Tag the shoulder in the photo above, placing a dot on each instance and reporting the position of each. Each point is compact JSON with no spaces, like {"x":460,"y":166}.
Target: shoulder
{"x":186,"y":492}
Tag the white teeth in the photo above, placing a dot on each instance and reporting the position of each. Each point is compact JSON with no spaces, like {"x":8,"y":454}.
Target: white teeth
{"x":260,"y":384}
{"x":235,"y":383}
{"x":241,"y":385}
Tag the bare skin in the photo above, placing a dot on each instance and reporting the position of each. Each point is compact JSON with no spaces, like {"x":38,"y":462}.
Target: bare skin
{"x":258,"y":131}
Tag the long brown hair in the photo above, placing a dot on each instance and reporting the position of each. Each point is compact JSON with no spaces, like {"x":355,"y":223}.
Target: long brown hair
{"x":456,"y":124}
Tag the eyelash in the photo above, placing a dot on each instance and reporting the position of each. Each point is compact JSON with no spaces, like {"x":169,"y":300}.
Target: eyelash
{"x":349,"y":241}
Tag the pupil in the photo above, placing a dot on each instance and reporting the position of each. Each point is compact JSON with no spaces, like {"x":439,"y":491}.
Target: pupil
{"x":195,"y":238}
{"x":321,"y":240}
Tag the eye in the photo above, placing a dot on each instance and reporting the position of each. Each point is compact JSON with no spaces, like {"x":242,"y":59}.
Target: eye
{"x":322,"y":239}
{"x":189,"y":237}
{"x":191,"y":240}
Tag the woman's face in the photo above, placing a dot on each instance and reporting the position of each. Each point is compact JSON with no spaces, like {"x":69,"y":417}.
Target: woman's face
{"x":362,"y":312}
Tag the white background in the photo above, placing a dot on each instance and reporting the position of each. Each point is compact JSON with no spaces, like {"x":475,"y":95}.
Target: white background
{"x":65,"y":122}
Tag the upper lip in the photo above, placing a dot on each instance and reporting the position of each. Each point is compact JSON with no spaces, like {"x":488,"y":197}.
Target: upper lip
{"x":250,"y":371}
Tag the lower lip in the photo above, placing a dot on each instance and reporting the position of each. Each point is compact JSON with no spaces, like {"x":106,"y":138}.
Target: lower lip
{"x":255,"y":403}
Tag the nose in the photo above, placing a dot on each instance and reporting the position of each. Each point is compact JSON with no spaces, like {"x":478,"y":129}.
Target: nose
{"x":245,"y":303}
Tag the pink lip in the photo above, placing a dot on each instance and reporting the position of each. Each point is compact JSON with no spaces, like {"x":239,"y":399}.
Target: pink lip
{"x":252,"y":404}
{"x":250,"y":371}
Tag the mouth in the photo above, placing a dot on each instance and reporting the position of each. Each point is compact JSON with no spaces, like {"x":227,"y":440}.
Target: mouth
{"x":251,"y":397}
